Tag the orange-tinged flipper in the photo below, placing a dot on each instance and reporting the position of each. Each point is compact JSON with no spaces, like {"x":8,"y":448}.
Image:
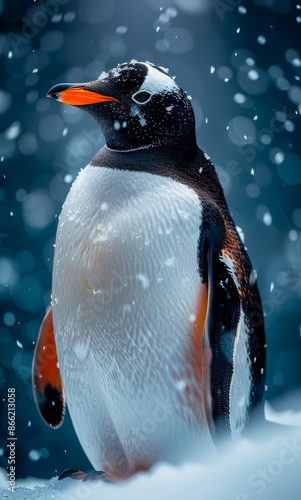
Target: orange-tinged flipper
{"x":46,"y":377}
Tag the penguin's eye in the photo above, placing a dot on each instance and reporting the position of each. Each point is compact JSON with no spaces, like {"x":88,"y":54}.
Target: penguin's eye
{"x":141,"y":97}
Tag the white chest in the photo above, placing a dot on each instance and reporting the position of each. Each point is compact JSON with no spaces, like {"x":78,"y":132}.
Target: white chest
{"x":125,"y":285}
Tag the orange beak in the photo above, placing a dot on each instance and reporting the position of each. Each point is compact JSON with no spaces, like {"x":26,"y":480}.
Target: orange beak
{"x":77,"y":95}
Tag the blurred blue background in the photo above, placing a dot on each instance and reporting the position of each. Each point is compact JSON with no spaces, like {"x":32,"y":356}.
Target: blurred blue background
{"x":239,"y":61}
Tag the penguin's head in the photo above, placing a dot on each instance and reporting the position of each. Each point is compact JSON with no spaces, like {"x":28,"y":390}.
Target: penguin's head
{"x":137,"y":105}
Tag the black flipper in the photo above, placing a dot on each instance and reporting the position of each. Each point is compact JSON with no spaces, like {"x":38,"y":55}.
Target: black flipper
{"x":232,"y":293}
{"x":221,"y":330}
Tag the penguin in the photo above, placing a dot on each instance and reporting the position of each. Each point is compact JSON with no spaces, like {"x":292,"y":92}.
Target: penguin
{"x":155,"y":336}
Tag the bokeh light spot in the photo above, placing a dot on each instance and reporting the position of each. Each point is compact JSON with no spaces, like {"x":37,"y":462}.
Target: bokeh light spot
{"x":290,"y":169}
{"x":38,"y":209}
{"x":51,"y":128}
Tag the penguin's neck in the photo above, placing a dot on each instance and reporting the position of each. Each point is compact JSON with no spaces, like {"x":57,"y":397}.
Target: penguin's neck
{"x":176,"y":163}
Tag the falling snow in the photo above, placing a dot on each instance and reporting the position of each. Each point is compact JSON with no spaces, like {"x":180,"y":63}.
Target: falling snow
{"x":244,"y":74}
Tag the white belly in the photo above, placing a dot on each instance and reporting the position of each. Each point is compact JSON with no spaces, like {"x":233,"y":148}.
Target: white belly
{"x":125,"y":284}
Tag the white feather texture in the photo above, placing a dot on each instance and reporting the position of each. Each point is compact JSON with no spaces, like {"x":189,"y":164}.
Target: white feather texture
{"x":125,"y":285}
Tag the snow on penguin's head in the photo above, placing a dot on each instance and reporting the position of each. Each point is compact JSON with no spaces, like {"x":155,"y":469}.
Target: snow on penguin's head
{"x":155,"y":79}
{"x":137,"y":105}
{"x":151,"y":108}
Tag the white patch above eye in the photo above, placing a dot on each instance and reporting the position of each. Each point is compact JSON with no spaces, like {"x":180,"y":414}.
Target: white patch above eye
{"x":157,"y":82}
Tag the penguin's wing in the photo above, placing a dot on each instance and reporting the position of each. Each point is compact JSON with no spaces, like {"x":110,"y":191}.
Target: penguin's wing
{"x":219,"y":338}
{"x":46,"y":377}
{"x":233,"y":339}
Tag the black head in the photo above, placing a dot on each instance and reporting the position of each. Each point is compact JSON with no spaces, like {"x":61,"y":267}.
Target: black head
{"x":137,"y":105}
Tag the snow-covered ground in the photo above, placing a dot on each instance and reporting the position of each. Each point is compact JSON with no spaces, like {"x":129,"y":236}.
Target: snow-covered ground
{"x":266,"y":468}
